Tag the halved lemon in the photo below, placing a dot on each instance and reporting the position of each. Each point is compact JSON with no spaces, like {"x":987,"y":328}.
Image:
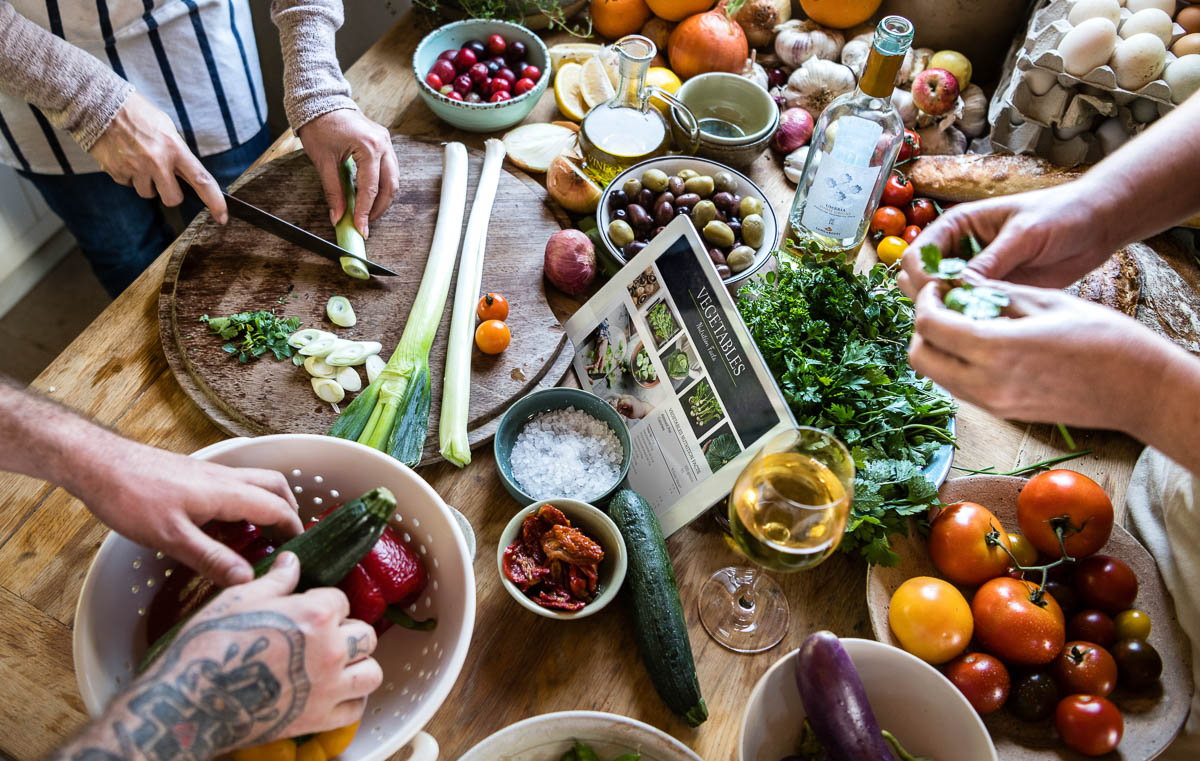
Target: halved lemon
{"x":594,"y":83}
{"x":572,"y":52}
{"x":567,"y":91}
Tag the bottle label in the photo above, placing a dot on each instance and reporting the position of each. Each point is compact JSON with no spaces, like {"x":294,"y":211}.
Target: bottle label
{"x":837,"y":200}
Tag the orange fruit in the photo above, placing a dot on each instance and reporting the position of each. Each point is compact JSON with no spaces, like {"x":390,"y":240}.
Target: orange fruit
{"x":840,"y":14}
{"x":616,"y":18}
{"x":677,"y":10}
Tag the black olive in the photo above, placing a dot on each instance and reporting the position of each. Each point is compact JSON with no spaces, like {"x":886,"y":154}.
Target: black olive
{"x":618,"y":200}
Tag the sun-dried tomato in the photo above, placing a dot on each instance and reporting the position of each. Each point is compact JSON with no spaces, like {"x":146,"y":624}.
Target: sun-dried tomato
{"x":570,"y":546}
{"x":552,"y":562}
{"x":557,"y":598}
{"x":521,"y":569}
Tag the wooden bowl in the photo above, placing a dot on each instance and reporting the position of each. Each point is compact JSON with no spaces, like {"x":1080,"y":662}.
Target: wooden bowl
{"x":1152,"y":718}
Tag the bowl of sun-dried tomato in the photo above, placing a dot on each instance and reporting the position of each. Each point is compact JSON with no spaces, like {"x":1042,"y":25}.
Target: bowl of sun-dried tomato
{"x":561,"y":559}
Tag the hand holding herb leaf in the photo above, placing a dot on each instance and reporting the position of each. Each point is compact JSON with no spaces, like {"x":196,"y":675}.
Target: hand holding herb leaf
{"x":979,"y":302}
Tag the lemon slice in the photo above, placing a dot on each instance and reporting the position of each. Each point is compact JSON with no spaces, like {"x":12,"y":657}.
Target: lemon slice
{"x":594,"y":83}
{"x":572,"y":52}
{"x":567,"y":91}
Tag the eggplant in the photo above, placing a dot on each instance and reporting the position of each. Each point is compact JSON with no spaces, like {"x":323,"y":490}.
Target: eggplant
{"x":836,"y":702}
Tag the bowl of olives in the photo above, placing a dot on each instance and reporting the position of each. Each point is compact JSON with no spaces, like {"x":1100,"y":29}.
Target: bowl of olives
{"x":729,"y":211}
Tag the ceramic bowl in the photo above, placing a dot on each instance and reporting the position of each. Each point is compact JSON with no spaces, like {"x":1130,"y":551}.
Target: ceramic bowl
{"x":718,"y":94}
{"x":671,"y":165}
{"x":909,"y":698}
{"x":544,"y":400}
{"x":551,"y":735}
{"x":480,"y":117}
{"x":596,"y":525}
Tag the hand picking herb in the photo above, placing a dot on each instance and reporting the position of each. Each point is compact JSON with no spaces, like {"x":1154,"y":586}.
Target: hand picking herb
{"x":979,"y":302}
{"x":252,"y":334}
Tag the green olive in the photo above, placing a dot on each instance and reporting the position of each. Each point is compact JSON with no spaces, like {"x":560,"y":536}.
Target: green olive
{"x":718,"y":234}
{"x":724,"y":181}
{"x":632,"y":187}
{"x":701,"y":185}
{"x":748,"y":206}
{"x":620,"y":233}
{"x":740,"y":258}
{"x":703,"y":213}
{"x":655,"y":179}
{"x":753,"y":230}
{"x":686,"y":174}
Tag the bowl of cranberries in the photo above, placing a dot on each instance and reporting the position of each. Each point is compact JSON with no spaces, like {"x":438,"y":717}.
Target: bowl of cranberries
{"x":482,"y":75}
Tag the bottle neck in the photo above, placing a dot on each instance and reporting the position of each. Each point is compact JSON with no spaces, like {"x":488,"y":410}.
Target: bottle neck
{"x":631,"y":83}
{"x":879,"y":76}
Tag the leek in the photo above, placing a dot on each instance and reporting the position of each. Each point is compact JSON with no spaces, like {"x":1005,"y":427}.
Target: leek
{"x":392,"y":413}
{"x":348,"y":236}
{"x":340,"y":312}
{"x":456,"y":389}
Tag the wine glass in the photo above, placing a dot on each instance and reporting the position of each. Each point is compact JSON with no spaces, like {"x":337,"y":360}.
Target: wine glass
{"x":787,"y":512}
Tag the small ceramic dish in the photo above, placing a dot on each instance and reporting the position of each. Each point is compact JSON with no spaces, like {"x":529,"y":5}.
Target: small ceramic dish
{"x":545,"y":400}
{"x":480,"y":117}
{"x":728,"y":97}
{"x":596,"y":526}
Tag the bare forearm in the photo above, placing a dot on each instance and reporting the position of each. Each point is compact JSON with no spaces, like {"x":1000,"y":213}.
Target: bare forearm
{"x":1171,"y":399}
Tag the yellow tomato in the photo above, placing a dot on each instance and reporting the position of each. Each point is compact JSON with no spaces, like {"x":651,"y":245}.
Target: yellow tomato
{"x":659,"y":76}
{"x":931,"y":619}
{"x":890,"y":249}
{"x":1022,"y":550}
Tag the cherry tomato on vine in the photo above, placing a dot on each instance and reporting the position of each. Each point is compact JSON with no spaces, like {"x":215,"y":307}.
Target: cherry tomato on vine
{"x":1106,"y":583}
{"x":1132,"y":624}
{"x":1064,"y":594}
{"x":1022,"y":549}
{"x":982,"y":679}
{"x":493,"y":306}
{"x":1066,"y":499}
{"x":1085,"y":668}
{"x":910,"y":233}
{"x":930,"y":618}
{"x":959,"y":547}
{"x":897,"y":191}
{"x":1018,"y":622}
{"x":1092,"y":626}
{"x":911,"y":147}
{"x":887,"y":220}
{"x":492,"y":336}
{"x":1089,"y":724}
{"x":1138,"y":664}
{"x":920,"y":212}
{"x":890,"y":249}
{"x":1034,"y":696}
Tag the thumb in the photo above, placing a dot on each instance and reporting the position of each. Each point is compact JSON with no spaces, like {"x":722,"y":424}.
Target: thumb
{"x":213,"y":559}
{"x":280,"y":580}
{"x":331,"y":185}
{"x":1001,"y":256}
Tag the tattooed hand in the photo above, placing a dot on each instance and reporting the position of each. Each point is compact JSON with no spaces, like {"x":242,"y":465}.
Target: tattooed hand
{"x":258,"y":663}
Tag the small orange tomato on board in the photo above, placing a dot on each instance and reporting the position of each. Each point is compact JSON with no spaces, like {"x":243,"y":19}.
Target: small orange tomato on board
{"x":492,"y":336}
{"x":493,"y":306}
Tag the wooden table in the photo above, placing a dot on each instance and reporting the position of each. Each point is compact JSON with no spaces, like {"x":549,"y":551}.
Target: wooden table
{"x":519,"y":664}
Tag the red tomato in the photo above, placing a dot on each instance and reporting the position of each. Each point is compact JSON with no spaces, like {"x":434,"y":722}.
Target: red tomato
{"x":911,"y":147}
{"x":1085,"y":668}
{"x":887,"y":220}
{"x":959,"y":548}
{"x":1016,"y":624}
{"x":910,"y":233}
{"x":897,"y":191}
{"x":1089,"y":724}
{"x":1092,"y":626}
{"x":1106,"y":583}
{"x":920,"y":212}
{"x":1070,"y":501}
{"x":982,"y":679}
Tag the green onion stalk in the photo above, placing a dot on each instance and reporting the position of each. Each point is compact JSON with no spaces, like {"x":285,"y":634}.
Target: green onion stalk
{"x":348,"y":236}
{"x":392,"y":413}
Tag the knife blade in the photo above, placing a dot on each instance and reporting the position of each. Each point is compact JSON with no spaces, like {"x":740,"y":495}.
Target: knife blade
{"x":292,"y":234}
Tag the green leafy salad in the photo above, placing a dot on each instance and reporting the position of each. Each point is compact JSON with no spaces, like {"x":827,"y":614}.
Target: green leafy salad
{"x":837,"y":344}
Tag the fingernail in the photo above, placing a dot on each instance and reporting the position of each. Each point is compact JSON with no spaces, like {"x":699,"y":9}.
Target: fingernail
{"x":240,"y":575}
{"x":333,"y":218}
{"x":366,"y":230}
{"x":286,"y":559}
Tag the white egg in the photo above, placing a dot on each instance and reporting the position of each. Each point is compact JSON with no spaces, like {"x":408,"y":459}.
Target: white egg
{"x":1112,"y":135}
{"x":1069,"y":133}
{"x":1138,"y":60}
{"x":1088,"y":45}
{"x":1082,"y":10}
{"x":1183,"y":77}
{"x":1149,"y":20}
{"x":1040,"y":81}
{"x":1166,"y":6}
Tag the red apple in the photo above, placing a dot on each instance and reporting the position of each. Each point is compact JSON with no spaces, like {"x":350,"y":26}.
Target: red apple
{"x":934,"y":91}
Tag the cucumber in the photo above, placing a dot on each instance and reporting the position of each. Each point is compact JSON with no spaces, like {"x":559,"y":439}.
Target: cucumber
{"x":327,"y":552}
{"x":658,"y":621}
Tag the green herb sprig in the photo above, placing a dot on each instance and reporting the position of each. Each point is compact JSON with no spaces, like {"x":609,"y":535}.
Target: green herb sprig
{"x":979,"y":302}
{"x":249,"y":335}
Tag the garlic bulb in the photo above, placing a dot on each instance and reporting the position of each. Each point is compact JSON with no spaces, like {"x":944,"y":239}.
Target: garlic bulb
{"x":756,"y":73}
{"x":904,"y":76}
{"x":793,"y":164}
{"x":920,"y":61}
{"x":938,"y":142}
{"x":903,"y":102}
{"x":854,"y":55}
{"x":816,"y":83}
{"x":973,"y":120}
{"x":797,"y":41}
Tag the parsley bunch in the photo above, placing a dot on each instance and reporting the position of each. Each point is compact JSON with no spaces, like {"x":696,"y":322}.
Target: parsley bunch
{"x":256,"y":334}
{"x":837,"y":344}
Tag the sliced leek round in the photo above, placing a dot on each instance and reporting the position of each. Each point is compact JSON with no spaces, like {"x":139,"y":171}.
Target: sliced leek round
{"x":352,"y":353}
{"x":298,"y":360}
{"x":321,"y":346}
{"x":375,"y":365}
{"x":328,"y":390}
{"x":340,"y":312}
{"x":349,"y":379}
{"x":317,"y":368}
{"x":302,"y":338}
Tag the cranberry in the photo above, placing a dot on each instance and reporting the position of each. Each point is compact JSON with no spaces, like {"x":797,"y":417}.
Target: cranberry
{"x":496,"y":45}
{"x":478,"y":73}
{"x":476,"y":47}
{"x":446,"y":89}
{"x":454,"y":95}
{"x":531,"y":72}
{"x":497,"y":97}
{"x":444,"y":70}
{"x":462,"y":84}
{"x":447,"y":55}
{"x":465,"y":59}
{"x":474,"y":97}
{"x":498,"y":85}
{"x":523,"y":85}
{"x":494,"y":67}
{"x":507,"y":74}
{"x":485,"y":87}
{"x":516,"y":51}
{"x":433,"y":80}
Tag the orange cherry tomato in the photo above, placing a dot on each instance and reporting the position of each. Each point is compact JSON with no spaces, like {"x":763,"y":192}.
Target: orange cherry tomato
{"x":887,"y":220}
{"x":959,"y":548}
{"x":931,"y":619}
{"x":492,"y":336}
{"x":890,"y":249}
{"x":493,"y":306}
{"x":910,"y":233}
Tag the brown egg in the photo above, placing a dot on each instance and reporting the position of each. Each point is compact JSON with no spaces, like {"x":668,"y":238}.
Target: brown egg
{"x":1187,"y":44}
{"x":1189,"y":18}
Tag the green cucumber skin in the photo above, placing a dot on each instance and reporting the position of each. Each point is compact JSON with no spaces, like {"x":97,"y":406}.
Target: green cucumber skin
{"x":659,"y":624}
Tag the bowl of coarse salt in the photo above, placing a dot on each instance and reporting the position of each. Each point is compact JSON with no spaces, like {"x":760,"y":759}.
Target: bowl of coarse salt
{"x":562,"y":442}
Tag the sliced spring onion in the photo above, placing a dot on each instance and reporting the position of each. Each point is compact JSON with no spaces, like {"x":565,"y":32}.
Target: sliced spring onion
{"x":302,"y":338}
{"x":375,"y":366}
{"x":320,"y":347}
{"x":317,"y":368}
{"x":456,"y":388}
{"x":349,"y":379}
{"x":298,"y":360}
{"x":392,"y":414}
{"x":348,"y":236}
{"x":352,"y":353}
{"x":340,"y":312}
{"x":328,"y":390}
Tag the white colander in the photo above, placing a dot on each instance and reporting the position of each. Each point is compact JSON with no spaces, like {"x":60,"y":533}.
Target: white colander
{"x":419,"y":668}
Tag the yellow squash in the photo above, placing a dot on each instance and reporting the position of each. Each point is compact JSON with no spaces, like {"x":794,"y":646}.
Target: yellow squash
{"x":322,"y":746}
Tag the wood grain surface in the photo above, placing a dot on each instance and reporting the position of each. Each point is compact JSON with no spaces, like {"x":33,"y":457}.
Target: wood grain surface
{"x":223,"y":269}
{"x":519,"y":664}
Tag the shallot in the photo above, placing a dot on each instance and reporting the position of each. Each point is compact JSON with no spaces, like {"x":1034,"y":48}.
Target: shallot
{"x":570,"y":261}
{"x":795,"y":129}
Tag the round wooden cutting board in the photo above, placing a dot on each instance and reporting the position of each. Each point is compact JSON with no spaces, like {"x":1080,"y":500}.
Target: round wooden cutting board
{"x":224,"y":269}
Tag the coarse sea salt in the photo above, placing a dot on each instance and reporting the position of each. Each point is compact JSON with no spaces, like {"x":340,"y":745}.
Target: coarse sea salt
{"x":566,"y":453}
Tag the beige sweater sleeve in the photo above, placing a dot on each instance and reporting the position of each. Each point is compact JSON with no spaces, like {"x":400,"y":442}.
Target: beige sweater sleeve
{"x":73,"y":88}
{"x":312,"y":78}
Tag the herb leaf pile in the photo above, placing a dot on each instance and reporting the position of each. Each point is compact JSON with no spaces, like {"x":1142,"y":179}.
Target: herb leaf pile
{"x":837,"y":344}
{"x":249,"y":335}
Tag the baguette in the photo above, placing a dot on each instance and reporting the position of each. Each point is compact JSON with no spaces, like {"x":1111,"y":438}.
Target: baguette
{"x":971,"y":177}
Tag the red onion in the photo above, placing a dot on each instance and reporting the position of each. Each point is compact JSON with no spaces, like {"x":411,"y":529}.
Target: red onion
{"x":795,"y":129}
{"x":570,"y":262}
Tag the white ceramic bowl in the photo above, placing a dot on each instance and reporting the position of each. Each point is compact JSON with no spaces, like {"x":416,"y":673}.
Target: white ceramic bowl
{"x":910,"y":699}
{"x":419,"y":668}
{"x":549,"y":736}
{"x":595,"y":524}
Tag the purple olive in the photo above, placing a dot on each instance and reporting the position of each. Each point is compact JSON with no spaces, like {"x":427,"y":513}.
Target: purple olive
{"x":632,"y":249}
{"x":717,"y":257}
{"x":723,"y":200}
{"x":638,"y":217}
{"x":663,"y":212}
{"x":675,"y":185}
{"x":620,"y":214}
{"x":645,"y":198}
{"x":618,"y":200}
{"x":724,"y":271}
{"x":687,"y":199}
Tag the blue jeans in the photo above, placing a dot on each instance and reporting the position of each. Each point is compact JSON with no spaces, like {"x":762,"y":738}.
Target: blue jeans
{"x":120,"y":232}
